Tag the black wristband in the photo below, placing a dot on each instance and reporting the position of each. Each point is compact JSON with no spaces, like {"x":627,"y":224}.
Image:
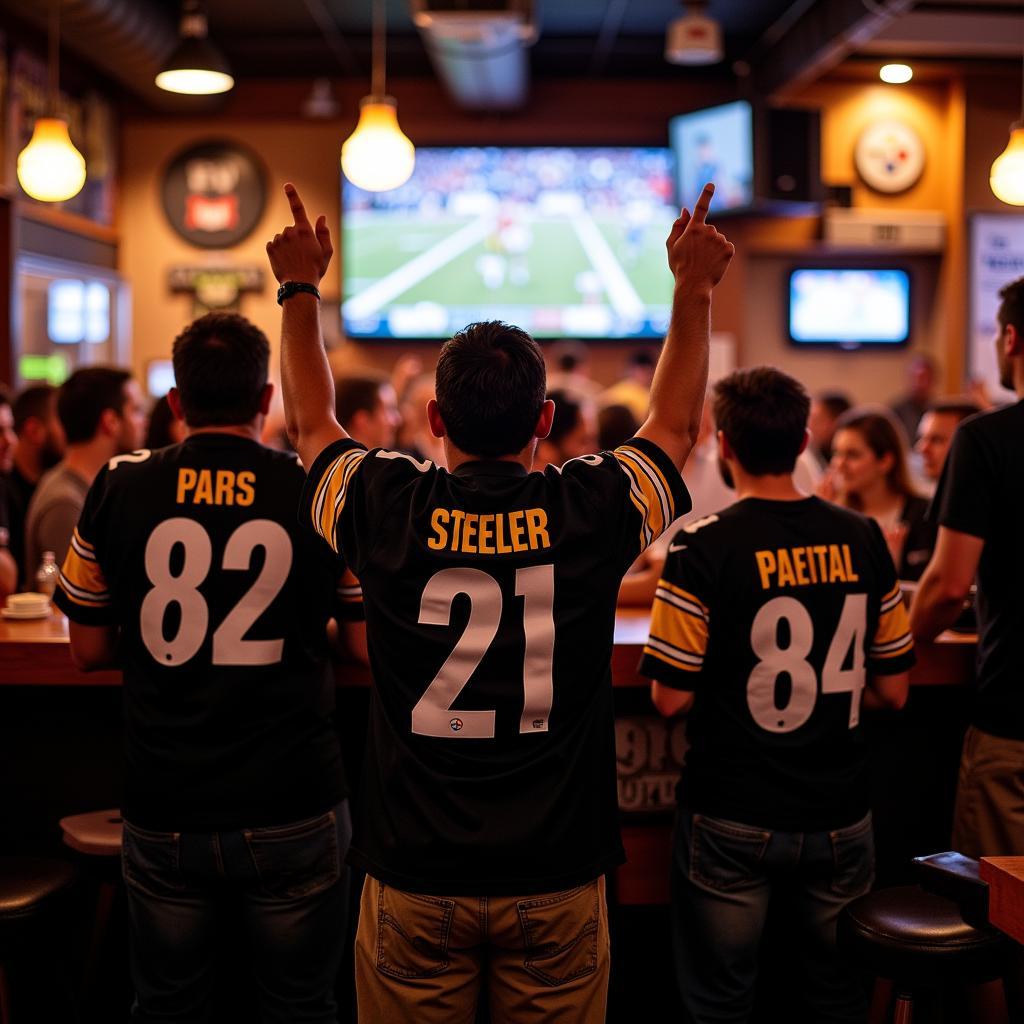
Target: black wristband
{"x":290,"y":288}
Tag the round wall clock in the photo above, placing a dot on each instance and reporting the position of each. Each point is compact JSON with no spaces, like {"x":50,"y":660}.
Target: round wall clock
{"x":889,"y":156}
{"x":214,"y":194}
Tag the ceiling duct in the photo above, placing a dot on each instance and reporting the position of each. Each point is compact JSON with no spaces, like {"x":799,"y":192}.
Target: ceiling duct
{"x":480,"y":55}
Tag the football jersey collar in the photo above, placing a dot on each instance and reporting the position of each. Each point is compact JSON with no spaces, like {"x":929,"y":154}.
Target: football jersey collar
{"x":490,"y":467}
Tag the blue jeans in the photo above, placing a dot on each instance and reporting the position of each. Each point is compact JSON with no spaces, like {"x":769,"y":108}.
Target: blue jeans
{"x":284,"y":889}
{"x":723,"y":875}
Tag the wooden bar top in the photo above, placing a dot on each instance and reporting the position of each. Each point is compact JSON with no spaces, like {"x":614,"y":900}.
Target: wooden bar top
{"x":1005,"y":877}
{"x":35,"y":652}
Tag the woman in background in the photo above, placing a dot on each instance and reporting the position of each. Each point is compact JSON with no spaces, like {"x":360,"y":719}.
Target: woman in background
{"x":869,"y":474}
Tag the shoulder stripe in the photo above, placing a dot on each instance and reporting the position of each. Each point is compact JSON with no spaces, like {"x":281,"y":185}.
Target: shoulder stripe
{"x":905,"y":649}
{"x":892,"y":645}
{"x":657,"y":476}
{"x":658,"y":489}
{"x":637,"y":497}
{"x":88,"y":554}
{"x":83,"y":597}
{"x":676,"y":651}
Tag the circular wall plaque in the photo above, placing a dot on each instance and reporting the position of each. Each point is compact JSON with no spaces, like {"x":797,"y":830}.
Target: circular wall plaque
{"x":214,"y":194}
{"x":889,"y":156}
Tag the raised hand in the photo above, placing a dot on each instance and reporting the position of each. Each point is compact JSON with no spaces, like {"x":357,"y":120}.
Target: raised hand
{"x":698,"y":254}
{"x":301,"y":252}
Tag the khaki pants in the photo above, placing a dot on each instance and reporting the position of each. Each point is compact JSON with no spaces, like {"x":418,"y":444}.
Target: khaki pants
{"x":988,"y":820}
{"x":426,"y":959}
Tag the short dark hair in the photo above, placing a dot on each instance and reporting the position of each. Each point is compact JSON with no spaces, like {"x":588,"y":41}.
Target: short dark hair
{"x":158,"y":430}
{"x":356,"y":394}
{"x":1011,"y":305}
{"x":616,"y":424}
{"x":221,"y":363}
{"x":568,"y":354}
{"x":490,"y":388}
{"x":763,"y":414}
{"x":836,"y":402}
{"x":85,"y":396}
{"x":961,"y":408}
{"x":567,"y":415}
{"x":32,"y":402}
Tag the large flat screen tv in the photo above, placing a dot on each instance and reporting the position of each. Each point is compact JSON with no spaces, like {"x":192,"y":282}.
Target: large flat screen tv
{"x":849,"y":306}
{"x":563,"y":242}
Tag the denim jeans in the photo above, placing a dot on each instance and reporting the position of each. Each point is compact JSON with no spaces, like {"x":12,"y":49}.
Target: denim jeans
{"x":723,"y":875}
{"x":284,"y":890}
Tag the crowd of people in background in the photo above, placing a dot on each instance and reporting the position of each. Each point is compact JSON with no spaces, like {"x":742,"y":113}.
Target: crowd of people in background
{"x":882,"y":461}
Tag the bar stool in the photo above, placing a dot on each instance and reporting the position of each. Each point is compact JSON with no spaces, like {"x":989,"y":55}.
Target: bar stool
{"x":32,"y":893}
{"x":919,"y":938}
{"x":96,"y":835}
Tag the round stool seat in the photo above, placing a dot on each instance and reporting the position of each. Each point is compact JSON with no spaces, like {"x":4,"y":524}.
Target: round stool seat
{"x":911,"y":935}
{"x":29,"y":885}
{"x":97,"y":833}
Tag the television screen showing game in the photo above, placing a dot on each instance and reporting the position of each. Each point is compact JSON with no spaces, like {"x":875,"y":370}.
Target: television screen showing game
{"x":563,"y":242}
{"x":849,"y":306}
{"x":715,"y":144}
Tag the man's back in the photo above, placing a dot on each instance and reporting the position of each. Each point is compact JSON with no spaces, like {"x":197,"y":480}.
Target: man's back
{"x":195,"y":552}
{"x":980,"y":493}
{"x":490,"y":602}
{"x":776,"y":611}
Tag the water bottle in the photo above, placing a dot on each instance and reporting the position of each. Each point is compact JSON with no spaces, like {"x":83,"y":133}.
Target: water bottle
{"x":46,"y":577}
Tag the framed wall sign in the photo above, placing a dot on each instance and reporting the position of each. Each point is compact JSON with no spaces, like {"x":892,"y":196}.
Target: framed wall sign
{"x":214,"y":194}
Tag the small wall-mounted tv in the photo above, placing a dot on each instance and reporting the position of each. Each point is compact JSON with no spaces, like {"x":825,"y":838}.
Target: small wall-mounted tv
{"x":761,"y":159}
{"x":848,"y":307}
{"x":561,"y":241}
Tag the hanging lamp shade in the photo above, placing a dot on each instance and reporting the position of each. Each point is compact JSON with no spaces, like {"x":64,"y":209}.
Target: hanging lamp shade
{"x":378,"y":156}
{"x":195,"y":68}
{"x":50,"y":169}
{"x":1007,"y":175}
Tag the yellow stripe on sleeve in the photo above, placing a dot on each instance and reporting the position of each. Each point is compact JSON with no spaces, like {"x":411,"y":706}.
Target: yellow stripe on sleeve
{"x":82,"y":580}
{"x":892,"y":625}
{"x":685,"y":594}
{"x":652,"y":494}
{"x":680,"y":628}
{"x":658,"y":477}
{"x":332,"y":492}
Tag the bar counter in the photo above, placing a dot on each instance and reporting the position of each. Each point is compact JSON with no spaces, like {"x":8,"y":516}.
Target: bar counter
{"x":35,"y":653}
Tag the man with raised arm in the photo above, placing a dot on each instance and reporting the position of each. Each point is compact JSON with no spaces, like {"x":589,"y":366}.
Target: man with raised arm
{"x":488,"y":815}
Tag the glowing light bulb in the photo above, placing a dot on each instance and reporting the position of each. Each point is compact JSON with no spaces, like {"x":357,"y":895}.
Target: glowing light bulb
{"x":896,"y":74}
{"x":195,"y":81}
{"x":50,"y":169}
{"x":1007,"y":175}
{"x":378,"y":156}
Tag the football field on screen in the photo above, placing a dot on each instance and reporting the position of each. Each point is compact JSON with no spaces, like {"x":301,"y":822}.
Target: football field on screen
{"x":549,"y":265}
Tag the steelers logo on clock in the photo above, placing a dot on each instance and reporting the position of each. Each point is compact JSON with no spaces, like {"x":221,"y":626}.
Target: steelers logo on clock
{"x":889,"y":156}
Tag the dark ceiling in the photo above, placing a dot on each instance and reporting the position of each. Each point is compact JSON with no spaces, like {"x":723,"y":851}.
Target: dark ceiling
{"x":577,"y":37}
{"x":783,"y":44}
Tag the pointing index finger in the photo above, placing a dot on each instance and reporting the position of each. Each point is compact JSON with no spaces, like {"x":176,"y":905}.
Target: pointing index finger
{"x":298,"y":210}
{"x":700,"y":209}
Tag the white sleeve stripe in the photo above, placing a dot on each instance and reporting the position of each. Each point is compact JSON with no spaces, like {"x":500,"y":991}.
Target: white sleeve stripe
{"x":646,"y":533}
{"x":664,"y":501}
{"x":668,"y":597}
{"x":676,"y":652}
{"x":892,"y":645}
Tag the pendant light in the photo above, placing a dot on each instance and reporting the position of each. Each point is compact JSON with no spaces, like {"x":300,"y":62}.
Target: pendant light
{"x":1007,"y":175}
{"x":50,"y":169}
{"x":378,"y":156}
{"x":195,"y":67}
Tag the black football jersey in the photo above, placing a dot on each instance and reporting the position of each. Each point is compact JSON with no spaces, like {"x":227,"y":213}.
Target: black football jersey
{"x":195,"y":551}
{"x":490,"y":606}
{"x":774,"y":613}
